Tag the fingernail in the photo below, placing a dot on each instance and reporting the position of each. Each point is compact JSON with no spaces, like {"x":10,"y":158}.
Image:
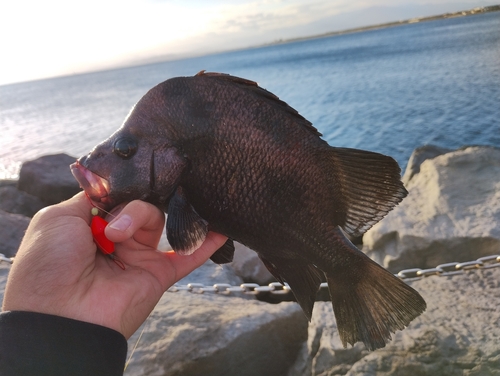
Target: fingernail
{"x":121,"y":223}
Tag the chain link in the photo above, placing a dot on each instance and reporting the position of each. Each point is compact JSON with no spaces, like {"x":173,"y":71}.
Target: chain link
{"x":450,"y":268}
{"x":276,"y":288}
{"x":8,"y":260}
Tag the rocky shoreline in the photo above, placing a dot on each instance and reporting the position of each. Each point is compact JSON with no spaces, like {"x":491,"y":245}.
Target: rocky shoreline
{"x":452,"y":214}
{"x":463,"y":13}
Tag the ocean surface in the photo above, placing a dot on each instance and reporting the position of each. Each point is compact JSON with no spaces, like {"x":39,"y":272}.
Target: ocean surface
{"x":387,"y":90}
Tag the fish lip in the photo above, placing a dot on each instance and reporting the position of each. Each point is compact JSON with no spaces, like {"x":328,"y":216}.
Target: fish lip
{"x":95,"y":186}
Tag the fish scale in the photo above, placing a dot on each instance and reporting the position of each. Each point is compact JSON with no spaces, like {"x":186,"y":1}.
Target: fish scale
{"x":225,"y":155}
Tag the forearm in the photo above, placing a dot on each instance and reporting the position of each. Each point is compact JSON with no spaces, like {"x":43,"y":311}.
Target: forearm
{"x":38,"y":344}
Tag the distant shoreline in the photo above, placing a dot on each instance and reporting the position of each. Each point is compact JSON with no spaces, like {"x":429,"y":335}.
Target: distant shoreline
{"x":470,"y":12}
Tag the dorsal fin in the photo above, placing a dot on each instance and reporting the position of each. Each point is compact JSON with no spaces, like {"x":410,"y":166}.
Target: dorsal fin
{"x":255,"y":88}
{"x":370,"y":186}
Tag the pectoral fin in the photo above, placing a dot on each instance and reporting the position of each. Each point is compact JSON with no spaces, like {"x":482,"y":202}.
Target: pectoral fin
{"x":225,"y":253}
{"x":186,"y":230}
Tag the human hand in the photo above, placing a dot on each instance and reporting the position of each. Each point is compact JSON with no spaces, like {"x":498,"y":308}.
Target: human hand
{"x":58,"y":271}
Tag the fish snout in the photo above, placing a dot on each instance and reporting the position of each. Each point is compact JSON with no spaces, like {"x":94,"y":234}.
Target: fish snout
{"x":95,"y":186}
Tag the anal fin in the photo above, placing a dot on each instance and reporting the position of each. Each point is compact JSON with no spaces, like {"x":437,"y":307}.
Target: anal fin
{"x":225,"y":253}
{"x":186,"y":230}
{"x":304,"y":280}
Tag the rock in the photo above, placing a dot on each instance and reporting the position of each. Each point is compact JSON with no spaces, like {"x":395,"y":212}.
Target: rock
{"x":12,"y":228}
{"x":190,"y":334}
{"x":49,"y":178}
{"x":323,"y":352}
{"x":459,"y":334}
{"x":248,"y":265}
{"x":418,"y":156}
{"x":215,"y":334}
{"x":452,"y":213}
{"x":4,"y":272}
{"x":8,"y":183}
{"x":210,"y":273}
{"x":163,"y":244}
{"x":15,"y":201}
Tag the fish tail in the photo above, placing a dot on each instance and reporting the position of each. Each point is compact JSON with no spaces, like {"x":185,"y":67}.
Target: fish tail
{"x":369,"y":302}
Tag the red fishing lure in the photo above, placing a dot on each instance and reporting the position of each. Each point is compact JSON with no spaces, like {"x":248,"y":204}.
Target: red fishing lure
{"x":106,"y":246}
{"x":97,"y":226}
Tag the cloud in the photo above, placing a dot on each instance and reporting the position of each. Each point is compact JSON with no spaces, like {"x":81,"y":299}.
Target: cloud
{"x":54,"y":37}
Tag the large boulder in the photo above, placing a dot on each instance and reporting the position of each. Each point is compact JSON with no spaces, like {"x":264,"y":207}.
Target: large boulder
{"x":459,"y":334}
{"x":418,"y":157}
{"x":249,"y":266}
{"x":12,"y":228}
{"x":215,"y":334}
{"x":49,"y":178}
{"x":193,"y":334}
{"x":452,"y":213}
{"x":12,"y":200}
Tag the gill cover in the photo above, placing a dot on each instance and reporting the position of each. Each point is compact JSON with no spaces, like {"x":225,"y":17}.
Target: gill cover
{"x":166,"y":170}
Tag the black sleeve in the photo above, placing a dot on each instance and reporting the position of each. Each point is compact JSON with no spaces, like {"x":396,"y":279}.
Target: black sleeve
{"x":39,"y":344}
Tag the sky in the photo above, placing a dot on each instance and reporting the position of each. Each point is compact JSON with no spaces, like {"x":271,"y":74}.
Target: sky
{"x":47,"y":38}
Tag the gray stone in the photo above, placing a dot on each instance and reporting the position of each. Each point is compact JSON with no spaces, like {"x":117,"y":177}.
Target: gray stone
{"x":217,"y":334}
{"x":248,"y":265}
{"x":4,"y":272}
{"x":323,"y":351}
{"x":210,"y":273}
{"x":15,"y":201}
{"x":452,"y":213}
{"x":49,"y":178}
{"x":190,"y":334}
{"x":459,"y":334}
{"x":418,"y":156}
{"x":8,"y":183}
{"x":12,"y":228}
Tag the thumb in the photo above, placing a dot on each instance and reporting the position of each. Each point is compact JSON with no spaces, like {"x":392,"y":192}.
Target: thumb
{"x":136,"y":215}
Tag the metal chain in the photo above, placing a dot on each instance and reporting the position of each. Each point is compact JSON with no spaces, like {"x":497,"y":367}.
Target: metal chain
{"x":8,"y":260}
{"x":276,"y":288}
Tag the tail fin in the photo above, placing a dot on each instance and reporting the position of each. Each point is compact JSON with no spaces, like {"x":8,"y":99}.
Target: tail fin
{"x":370,"y":303}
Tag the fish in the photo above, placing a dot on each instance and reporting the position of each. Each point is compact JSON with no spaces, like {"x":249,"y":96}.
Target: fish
{"x":220,"y":153}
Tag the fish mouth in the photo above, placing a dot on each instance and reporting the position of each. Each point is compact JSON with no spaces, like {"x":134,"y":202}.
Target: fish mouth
{"x":95,"y":186}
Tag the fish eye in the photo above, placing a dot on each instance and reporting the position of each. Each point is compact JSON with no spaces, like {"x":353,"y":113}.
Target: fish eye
{"x":125,"y":147}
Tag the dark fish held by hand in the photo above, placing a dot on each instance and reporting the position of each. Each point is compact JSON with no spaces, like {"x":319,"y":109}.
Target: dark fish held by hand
{"x":219,"y":153}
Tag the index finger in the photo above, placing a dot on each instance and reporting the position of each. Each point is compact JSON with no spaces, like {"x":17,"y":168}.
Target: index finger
{"x":183,"y":265}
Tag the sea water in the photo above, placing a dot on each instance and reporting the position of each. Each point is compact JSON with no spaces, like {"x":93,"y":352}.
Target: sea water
{"x":387,"y":90}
